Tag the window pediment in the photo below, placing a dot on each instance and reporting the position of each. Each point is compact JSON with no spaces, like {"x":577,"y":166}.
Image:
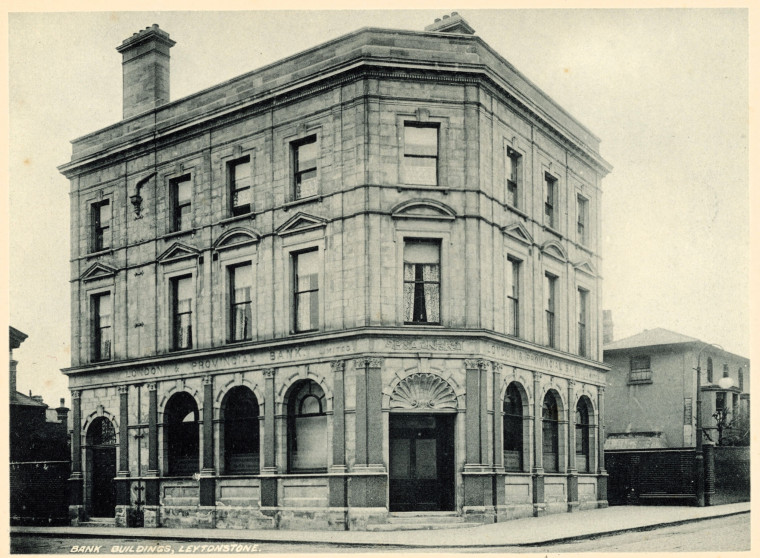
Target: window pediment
{"x":555,"y":250}
{"x":519,"y":232}
{"x":98,"y":271}
{"x":301,"y":222}
{"x":423,"y":209}
{"x":178,"y":251}
{"x":235,"y":238}
{"x":586,"y":267}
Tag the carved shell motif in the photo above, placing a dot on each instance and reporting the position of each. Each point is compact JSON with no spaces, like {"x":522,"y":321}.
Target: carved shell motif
{"x":423,"y":392}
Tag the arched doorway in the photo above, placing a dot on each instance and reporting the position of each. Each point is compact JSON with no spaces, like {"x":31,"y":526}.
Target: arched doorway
{"x":101,"y":443}
{"x":421,"y":445}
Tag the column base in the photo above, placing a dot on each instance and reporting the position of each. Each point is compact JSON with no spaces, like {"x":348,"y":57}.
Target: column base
{"x":151,"y":516}
{"x":76,"y":515}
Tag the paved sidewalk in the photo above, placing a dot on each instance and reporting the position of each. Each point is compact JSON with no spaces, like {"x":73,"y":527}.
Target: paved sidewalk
{"x":531,"y":531}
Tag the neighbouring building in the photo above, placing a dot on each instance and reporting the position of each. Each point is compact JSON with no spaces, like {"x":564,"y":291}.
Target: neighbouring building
{"x":652,"y":386}
{"x":358,"y":282}
{"x":39,"y":451}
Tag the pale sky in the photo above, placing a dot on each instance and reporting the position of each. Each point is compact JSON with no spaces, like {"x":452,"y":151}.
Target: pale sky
{"x":665,"y":90}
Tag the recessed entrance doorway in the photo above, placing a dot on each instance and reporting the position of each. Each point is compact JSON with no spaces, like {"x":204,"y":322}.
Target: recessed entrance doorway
{"x":421,"y":462}
{"x":101,"y":442}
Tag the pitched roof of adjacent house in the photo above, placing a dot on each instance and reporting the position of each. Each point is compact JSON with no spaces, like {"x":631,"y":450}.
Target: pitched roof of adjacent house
{"x":21,"y":399}
{"x":650,"y":337}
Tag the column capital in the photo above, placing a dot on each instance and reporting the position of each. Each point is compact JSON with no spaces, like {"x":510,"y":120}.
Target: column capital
{"x":152,"y":386}
{"x":123,"y":390}
{"x":537,"y":376}
{"x":338,"y":365}
{"x":76,"y":394}
{"x":268,"y":373}
{"x":497,"y":366}
{"x":475,"y":364}
{"x":371,"y":362}
{"x":600,"y":389}
{"x":208,"y":380}
{"x":571,"y":383}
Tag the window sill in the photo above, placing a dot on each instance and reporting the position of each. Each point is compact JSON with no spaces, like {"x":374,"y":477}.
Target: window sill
{"x":101,"y":361}
{"x":424,"y":324}
{"x":176,"y":234}
{"x":638,"y":382}
{"x":436,"y":188}
{"x":293,"y":203}
{"x":238,"y":341}
{"x":250,"y":215}
{"x":99,"y":253}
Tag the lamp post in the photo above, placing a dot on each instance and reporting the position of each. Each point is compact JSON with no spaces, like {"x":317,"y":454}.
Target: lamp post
{"x":699,"y":451}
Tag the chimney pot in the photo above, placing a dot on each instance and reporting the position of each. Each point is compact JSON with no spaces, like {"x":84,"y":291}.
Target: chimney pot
{"x":446,"y":17}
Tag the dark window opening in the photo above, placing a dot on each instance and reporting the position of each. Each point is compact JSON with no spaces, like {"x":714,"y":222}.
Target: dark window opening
{"x":181,"y":435}
{"x":307,"y":428}
{"x":241,"y":186}
{"x":422,"y":282}
{"x":305,"y":167}
{"x":513,"y":429}
{"x":241,"y":432}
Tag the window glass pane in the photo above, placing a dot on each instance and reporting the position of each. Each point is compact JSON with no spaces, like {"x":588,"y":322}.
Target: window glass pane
{"x":421,"y":252}
{"x":104,"y":214}
{"x":310,"y":451}
{"x":421,"y":141}
{"x":432,"y":302}
{"x":306,"y":184}
{"x":241,"y":283}
{"x":306,"y":156}
{"x":421,"y":170}
{"x":183,"y":192}
{"x":241,"y":173}
{"x":307,"y":271}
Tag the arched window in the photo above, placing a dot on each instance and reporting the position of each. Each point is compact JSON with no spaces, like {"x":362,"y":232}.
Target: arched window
{"x":550,"y":423}
{"x":181,"y":435}
{"x":241,"y":431}
{"x":582,"y":434}
{"x":307,"y":428}
{"x":101,"y":433}
{"x":709,"y":369}
{"x":513,"y":429}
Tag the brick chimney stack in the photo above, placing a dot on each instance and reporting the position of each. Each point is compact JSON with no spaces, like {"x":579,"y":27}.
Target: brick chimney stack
{"x":63,"y":412}
{"x":607,"y":327}
{"x":145,"y":70}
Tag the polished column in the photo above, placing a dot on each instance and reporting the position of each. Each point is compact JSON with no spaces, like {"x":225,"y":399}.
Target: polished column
{"x":152,"y":482}
{"x":572,"y":468}
{"x":367,"y":488}
{"x":268,"y":480}
{"x":601,"y":482}
{"x":477,"y":476}
{"x":76,"y":509}
{"x":497,"y":425}
{"x":207,"y":483}
{"x":337,"y":484}
{"x":122,"y":475}
{"x":539,"y":505}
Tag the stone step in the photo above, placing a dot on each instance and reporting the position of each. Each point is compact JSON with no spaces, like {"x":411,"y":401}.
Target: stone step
{"x":424,"y":517}
{"x":407,"y":521}
{"x":99,"y":522}
{"x":417,"y":526}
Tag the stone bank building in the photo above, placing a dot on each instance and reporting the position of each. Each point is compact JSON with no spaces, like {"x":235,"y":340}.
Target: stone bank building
{"x":360,"y":282}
